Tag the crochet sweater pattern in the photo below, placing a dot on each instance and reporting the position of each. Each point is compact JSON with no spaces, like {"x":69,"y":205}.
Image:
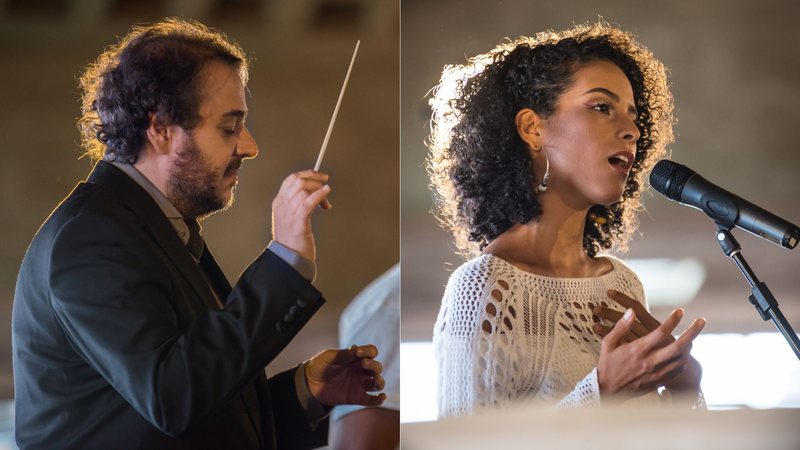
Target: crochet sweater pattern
{"x":541,"y":346}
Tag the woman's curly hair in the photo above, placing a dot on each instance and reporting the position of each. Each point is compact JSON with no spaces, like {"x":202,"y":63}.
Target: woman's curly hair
{"x":154,"y":69}
{"x":481,"y":170}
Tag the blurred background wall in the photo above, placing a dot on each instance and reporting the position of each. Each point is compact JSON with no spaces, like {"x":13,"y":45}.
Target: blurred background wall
{"x":300,"y":51}
{"x":734,"y":72}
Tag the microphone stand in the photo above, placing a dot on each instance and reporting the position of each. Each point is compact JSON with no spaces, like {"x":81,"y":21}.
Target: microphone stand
{"x":760,"y":296}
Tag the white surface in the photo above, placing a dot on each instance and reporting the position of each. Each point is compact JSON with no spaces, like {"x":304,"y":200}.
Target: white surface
{"x":609,"y":428}
{"x":417,"y":382}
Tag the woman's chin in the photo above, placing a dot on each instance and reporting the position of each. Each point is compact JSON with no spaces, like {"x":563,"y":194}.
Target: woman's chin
{"x":610,"y":198}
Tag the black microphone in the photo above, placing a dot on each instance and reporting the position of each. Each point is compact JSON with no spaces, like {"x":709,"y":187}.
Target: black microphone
{"x":681,"y":184}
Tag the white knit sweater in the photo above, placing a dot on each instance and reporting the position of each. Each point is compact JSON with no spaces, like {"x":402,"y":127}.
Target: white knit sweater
{"x":541,"y":347}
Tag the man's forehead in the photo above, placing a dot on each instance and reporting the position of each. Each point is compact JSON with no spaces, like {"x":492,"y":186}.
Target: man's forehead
{"x":223,"y":92}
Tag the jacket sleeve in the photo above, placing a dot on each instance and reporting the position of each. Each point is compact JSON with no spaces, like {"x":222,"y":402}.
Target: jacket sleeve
{"x":114,"y":299}
{"x":292,"y":427}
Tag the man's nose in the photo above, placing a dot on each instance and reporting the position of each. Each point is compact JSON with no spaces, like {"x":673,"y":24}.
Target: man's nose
{"x":247,"y":145}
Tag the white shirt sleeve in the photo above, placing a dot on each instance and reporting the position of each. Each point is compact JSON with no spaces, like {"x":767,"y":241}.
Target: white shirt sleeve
{"x":373,"y":317}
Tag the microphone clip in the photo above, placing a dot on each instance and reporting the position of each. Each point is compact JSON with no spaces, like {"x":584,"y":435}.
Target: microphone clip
{"x":730,"y":246}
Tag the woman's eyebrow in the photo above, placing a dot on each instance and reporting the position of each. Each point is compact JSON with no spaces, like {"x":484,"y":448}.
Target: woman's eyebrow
{"x":615,"y":97}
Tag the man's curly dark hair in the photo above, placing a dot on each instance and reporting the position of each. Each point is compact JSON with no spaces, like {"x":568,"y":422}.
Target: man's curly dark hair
{"x":154,"y":70}
{"x":482,"y":171}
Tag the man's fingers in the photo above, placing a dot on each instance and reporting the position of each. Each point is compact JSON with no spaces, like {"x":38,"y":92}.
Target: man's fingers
{"x":350,"y":354}
{"x":317,"y":197}
{"x":366,"y":351}
{"x":309,"y":174}
{"x":296,"y":183}
{"x":305,"y":196}
{"x":313,"y":175}
{"x":617,"y":334}
{"x":380,"y":383}
{"x":372,"y":400}
{"x":376,"y":383}
{"x":343,"y":356}
{"x":371,"y":365}
{"x":299,"y":186}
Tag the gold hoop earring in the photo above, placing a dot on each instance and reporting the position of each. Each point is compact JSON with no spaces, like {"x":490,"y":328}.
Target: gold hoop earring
{"x":542,"y":187}
{"x":598,"y":220}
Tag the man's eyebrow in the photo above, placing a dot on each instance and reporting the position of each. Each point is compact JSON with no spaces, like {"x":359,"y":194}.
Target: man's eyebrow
{"x":235,"y":113}
{"x":615,"y":97}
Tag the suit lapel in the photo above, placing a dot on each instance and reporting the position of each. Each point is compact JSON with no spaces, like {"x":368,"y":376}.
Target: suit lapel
{"x":157,"y":225}
{"x":216,"y":277}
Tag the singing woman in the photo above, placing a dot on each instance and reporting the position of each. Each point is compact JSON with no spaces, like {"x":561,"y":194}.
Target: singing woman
{"x":537,"y":153}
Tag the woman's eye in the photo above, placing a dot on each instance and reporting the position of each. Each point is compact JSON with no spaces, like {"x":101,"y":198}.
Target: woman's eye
{"x":602,"y":107}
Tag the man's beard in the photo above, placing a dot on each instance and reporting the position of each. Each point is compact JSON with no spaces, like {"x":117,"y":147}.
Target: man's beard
{"x":192,"y":183}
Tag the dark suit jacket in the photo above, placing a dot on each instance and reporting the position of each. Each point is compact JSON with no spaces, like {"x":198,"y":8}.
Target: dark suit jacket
{"x":118,"y":342}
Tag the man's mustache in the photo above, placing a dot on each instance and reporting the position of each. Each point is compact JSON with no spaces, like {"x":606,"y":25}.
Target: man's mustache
{"x":233,"y":166}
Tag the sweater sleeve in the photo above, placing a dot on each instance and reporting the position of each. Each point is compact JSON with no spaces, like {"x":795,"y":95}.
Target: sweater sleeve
{"x":455,"y":339}
{"x":586,"y":393}
{"x":474,"y":343}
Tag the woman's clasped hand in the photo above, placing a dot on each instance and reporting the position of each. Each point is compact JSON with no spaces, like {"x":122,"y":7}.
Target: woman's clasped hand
{"x":638,"y":353}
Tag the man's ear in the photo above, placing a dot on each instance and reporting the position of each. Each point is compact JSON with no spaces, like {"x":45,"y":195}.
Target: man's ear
{"x":529,"y":127}
{"x":159,"y":135}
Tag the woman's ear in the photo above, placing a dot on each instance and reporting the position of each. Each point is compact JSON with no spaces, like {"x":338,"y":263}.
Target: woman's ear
{"x":529,"y":126}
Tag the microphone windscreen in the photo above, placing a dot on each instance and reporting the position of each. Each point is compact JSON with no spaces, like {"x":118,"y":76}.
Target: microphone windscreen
{"x":669,"y":178}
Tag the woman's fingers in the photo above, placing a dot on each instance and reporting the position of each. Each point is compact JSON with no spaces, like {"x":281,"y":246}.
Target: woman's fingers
{"x":637,"y":364}
{"x":681,"y":348}
{"x":662,"y":335}
{"x":614,"y":316}
{"x":693,"y":331}
{"x":638,"y":330}
{"x":642,"y":313}
{"x":616,"y":336}
{"x":603,"y":330}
